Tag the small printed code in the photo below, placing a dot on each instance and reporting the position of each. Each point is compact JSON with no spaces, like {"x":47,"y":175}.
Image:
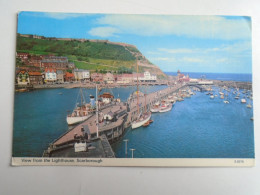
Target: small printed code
{"x":238,"y":161}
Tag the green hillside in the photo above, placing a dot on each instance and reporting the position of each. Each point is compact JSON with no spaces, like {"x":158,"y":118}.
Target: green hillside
{"x":94,"y":56}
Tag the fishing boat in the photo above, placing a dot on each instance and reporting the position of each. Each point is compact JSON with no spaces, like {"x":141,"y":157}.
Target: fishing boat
{"x":165,"y":107}
{"x":82,"y":111}
{"x":155,"y":107}
{"x":142,"y":118}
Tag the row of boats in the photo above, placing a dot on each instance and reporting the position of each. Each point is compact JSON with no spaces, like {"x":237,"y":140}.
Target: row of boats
{"x":236,"y":92}
{"x":165,"y":105}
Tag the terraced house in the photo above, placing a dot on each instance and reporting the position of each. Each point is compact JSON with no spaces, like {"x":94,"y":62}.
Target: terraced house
{"x":57,"y":62}
{"x":81,"y":75}
{"x":50,"y":75}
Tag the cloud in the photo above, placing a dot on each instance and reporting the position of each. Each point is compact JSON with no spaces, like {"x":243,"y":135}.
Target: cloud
{"x":103,"y":31}
{"x":192,"y":60}
{"x":163,"y":59}
{"x":209,"y":27}
{"x":243,"y":47}
{"x":180,"y":50}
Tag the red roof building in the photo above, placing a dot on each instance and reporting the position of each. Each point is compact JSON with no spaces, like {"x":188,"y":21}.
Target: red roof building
{"x":36,"y":78}
{"x":69,"y":77}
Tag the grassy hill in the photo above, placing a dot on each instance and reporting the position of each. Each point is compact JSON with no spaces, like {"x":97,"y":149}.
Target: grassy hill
{"x":90,"y":55}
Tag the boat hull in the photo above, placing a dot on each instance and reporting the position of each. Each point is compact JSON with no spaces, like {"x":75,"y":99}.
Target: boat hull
{"x":155,"y":109}
{"x":166,"y":109}
{"x":77,"y":119}
{"x":141,"y":123}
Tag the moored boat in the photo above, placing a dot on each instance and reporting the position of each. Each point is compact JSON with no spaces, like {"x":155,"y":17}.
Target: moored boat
{"x":81,"y":112}
{"x":243,"y":101}
{"x":141,"y":120}
{"x":165,"y":107}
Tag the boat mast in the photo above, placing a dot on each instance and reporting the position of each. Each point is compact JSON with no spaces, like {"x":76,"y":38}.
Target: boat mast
{"x":97,"y":121}
{"x":145,"y":100}
{"x":137,"y":92}
{"x":81,"y":102}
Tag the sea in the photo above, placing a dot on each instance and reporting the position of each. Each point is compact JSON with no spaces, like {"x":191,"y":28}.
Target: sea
{"x":217,"y":76}
{"x":198,"y":127}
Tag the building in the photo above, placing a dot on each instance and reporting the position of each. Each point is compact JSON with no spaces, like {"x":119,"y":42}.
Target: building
{"x":108,"y":78}
{"x":56,"y":62}
{"x":50,"y":75}
{"x":68,"y":77}
{"x":23,"y":56}
{"x":60,"y":76}
{"x":23,"y":78}
{"x":145,"y":77}
{"x":96,"y":77}
{"x":125,"y":78}
{"x":35,"y":78}
{"x":82,"y":75}
{"x":35,"y":61}
{"x":182,"y":78}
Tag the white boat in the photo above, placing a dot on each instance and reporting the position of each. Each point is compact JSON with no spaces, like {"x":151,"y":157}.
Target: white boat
{"x":226,"y":102}
{"x":76,"y":119}
{"x":155,"y":107}
{"x":143,"y":117}
{"x":249,"y":106}
{"x":141,"y":120}
{"x":212,"y":97}
{"x":81,"y":112}
{"x":243,"y":101}
{"x":165,"y":107}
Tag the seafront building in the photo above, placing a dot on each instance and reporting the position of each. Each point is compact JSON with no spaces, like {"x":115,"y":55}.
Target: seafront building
{"x":144,"y":77}
{"x":23,"y":78}
{"x":81,"y":75}
{"x":108,"y":78}
{"x":60,"y":76}
{"x":36,"y":78}
{"x":96,"y":77}
{"x":50,"y":75}
{"x":69,"y":77}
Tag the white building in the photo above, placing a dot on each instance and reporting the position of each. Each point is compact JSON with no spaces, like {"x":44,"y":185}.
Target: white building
{"x":81,"y":74}
{"x":50,"y":75}
{"x":145,"y":77}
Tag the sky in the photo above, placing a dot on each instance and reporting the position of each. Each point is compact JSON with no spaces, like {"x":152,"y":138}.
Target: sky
{"x":210,"y":44}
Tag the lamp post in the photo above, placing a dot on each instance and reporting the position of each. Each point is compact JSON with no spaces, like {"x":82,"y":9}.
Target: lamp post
{"x":125,"y":140}
{"x":132,"y":152}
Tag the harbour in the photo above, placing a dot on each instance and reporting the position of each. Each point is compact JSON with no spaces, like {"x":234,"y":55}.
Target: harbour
{"x":129,"y":113}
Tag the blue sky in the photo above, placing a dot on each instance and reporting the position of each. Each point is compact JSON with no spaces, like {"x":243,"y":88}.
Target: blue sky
{"x":218,"y":44}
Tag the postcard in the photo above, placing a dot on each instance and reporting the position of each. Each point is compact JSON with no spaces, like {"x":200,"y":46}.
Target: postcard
{"x":133,"y":90}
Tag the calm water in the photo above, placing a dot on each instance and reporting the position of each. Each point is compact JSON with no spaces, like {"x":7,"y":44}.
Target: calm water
{"x":218,"y":76}
{"x":196,"y":127}
{"x":40,"y":116}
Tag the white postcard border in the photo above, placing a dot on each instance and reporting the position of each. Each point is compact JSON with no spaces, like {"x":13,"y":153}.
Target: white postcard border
{"x":135,"y":162}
